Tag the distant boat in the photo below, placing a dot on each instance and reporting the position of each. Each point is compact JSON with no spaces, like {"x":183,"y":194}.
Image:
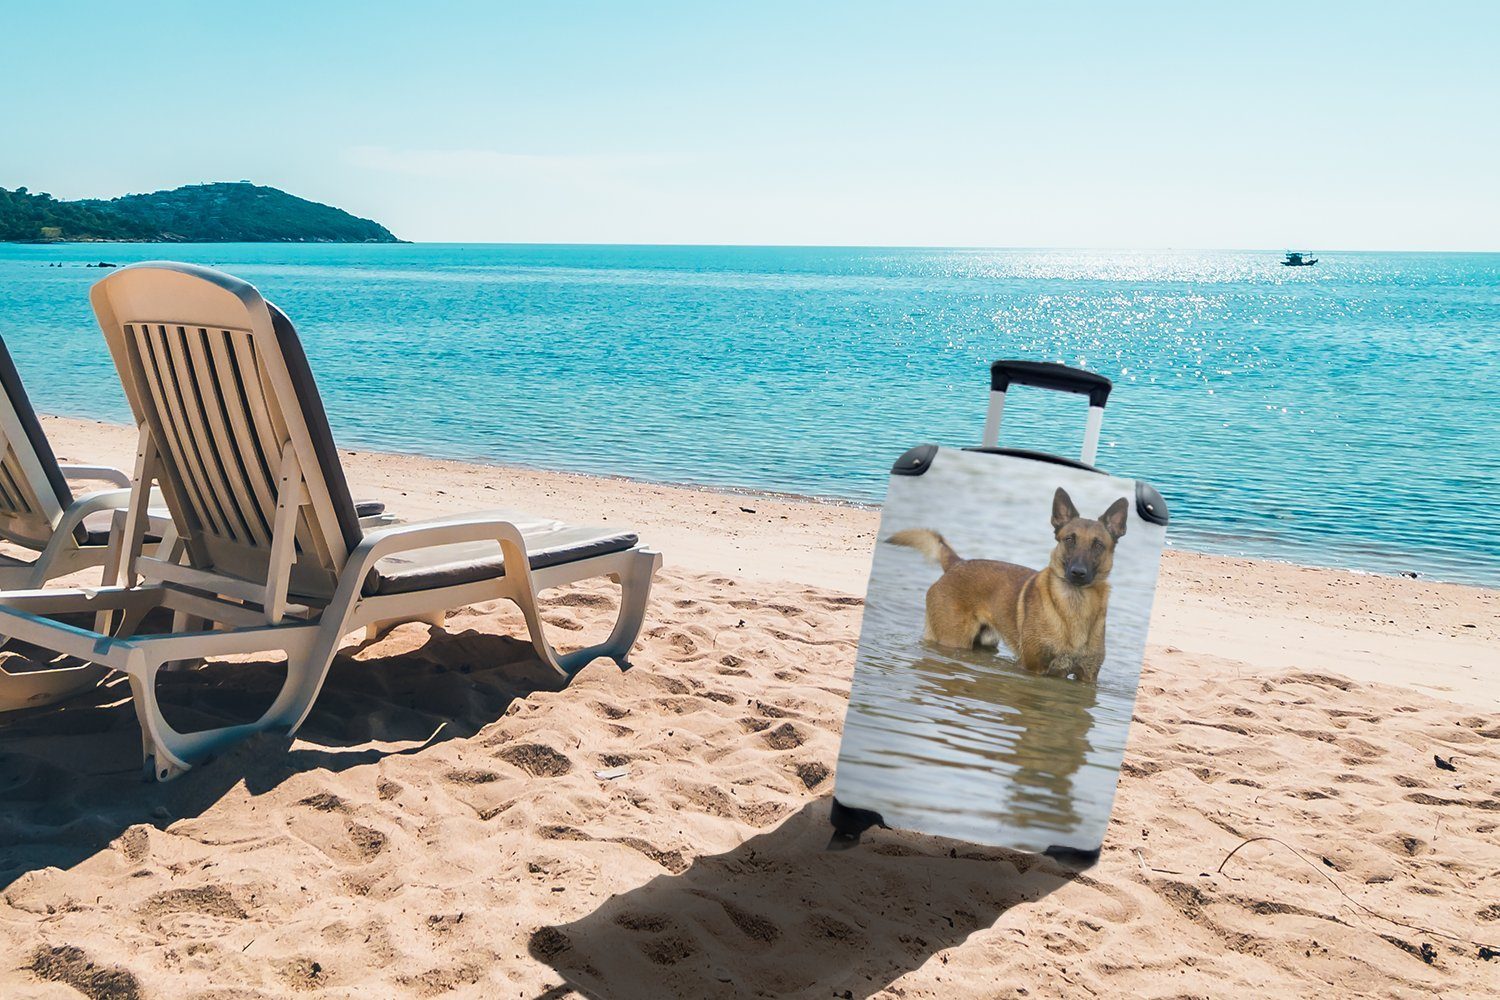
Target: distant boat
{"x":1298,"y":259}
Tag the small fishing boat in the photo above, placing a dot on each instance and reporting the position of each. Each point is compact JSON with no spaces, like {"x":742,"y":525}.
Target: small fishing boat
{"x":1296,"y":258}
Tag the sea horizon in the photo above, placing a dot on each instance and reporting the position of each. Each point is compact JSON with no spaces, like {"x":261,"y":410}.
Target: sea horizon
{"x":804,"y":371}
{"x":585,"y":244}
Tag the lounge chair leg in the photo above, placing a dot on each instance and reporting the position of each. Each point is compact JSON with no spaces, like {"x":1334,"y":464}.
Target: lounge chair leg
{"x":635,"y":594}
{"x":159,"y":760}
{"x":167,"y":753}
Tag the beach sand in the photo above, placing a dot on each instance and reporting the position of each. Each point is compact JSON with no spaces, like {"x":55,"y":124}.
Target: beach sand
{"x":1310,"y":803}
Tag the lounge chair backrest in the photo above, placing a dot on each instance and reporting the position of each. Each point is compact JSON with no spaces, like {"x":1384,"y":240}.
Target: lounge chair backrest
{"x":33,"y":491}
{"x":217,"y":378}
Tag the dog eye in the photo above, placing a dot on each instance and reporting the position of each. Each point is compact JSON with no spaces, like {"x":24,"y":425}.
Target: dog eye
{"x":1098,"y":545}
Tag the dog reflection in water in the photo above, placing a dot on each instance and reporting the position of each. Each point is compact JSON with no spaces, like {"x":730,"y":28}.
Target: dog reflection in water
{"x":1051,"y":619}
{"x":1033,"y":732}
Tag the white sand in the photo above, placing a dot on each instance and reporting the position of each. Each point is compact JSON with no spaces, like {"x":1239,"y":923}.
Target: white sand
{"x":487,"y":859}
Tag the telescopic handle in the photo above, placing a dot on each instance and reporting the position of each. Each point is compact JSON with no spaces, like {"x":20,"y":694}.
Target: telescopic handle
{"x":1047,"y":375}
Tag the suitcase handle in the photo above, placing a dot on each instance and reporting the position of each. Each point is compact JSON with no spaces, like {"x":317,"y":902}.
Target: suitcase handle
{"x":1047,"y":375}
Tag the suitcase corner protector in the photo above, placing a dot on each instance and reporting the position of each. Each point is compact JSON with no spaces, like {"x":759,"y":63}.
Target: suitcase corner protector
{"x":1149,"y":505}
{"x":915,"y":461}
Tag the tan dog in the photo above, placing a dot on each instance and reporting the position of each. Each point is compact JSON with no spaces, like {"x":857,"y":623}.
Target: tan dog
{"x":1051,"y":619}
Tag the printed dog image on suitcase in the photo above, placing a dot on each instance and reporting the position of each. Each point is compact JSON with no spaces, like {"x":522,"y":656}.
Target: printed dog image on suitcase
{"x":1004,"y":629}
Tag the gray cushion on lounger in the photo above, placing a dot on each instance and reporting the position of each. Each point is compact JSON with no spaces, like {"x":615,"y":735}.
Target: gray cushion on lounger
{"x":96,"y":528}
{"x":96,"y":525}
{"x":548,"y":543}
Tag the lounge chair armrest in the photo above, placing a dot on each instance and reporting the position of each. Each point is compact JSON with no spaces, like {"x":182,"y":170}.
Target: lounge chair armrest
{"x":92,"y":503}
{"x":403,"y":537}
{"x":101,"y":473}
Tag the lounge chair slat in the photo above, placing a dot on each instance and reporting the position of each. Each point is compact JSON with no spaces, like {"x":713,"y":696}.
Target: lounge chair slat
{"x":194,"y":435}
{"x":225,"y":444}
{"x":154,"y":374}
{"x":248,"y":453}
{"x":10,"y":494}
{"x":219,"y":462}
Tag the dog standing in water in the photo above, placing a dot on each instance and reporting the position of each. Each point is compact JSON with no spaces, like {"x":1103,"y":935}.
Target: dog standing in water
{"x":1051,"y":619}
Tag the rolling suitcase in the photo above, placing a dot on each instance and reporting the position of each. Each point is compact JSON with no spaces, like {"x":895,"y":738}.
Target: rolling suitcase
{"x":1004,"y":629}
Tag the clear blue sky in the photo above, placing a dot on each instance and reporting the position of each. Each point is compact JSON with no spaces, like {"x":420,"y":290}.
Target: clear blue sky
{"x":1324,"y":124}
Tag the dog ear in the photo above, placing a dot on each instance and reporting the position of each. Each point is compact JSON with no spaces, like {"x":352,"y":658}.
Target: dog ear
{"x":1114,"y":518}
{"x":1063,"y":510}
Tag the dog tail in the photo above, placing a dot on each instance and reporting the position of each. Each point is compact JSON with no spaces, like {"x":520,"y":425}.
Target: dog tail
{"x":929,"y":543}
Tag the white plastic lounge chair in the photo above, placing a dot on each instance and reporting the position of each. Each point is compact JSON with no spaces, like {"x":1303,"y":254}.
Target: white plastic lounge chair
{"x":38,"y":511}
{"x":232,"y":428}
{"x":40,"y":514}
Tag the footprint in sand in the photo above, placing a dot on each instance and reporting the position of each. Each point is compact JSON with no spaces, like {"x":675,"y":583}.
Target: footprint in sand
{"x":582,"y":599}
{"x":731,"y":666}
{"x":754,"y":927}
{"x":812,"y":773}
{"x":71,"y":966}
{"x":135,"y":843}
{"x":784,"y":737}
{"x":205,"y":911}
{"x":763,"y":814}
{"x":563,"y":620}
{"x":686,"y":647}
{"x":646,"y":923}
{"x":304,"y":974}
{"x":335,"y":835}
{"x":324,"y":802}
{"x":536,"y":759}
{"x":672,"y":861}
{"x":365,"y":842}
{"x":440,"y":982}
{"x":681,"y":706}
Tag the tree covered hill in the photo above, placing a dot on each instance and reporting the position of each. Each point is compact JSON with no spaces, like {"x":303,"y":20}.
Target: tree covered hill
{"x":199,"y":213}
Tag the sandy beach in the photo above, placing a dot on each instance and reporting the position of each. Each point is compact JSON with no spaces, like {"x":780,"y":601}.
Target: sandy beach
{"x":1310,"y":803}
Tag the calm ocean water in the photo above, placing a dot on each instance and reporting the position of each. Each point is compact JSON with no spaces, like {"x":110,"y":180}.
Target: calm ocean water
{"x":1341,"y":415}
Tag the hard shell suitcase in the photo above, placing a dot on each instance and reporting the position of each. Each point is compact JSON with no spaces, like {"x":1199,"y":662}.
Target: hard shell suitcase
{"x":1004,"y":629}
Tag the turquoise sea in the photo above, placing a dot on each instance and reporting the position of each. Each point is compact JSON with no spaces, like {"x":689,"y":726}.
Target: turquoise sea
{"x":1341,"y":415}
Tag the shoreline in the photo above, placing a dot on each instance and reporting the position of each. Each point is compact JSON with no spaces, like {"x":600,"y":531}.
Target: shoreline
{"x":782,"y":497}
{"x":1241,"y":613}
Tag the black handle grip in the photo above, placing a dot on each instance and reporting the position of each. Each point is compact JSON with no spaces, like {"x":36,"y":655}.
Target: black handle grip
{"x":1048,"y":375}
